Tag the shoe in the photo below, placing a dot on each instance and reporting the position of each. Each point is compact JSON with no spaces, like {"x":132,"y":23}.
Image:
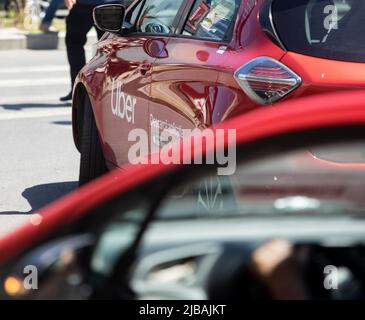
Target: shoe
{"x":45,"y":27}
{"x":66,"y":98}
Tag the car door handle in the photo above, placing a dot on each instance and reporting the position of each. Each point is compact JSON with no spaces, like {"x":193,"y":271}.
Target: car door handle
{"x":145,"y":67}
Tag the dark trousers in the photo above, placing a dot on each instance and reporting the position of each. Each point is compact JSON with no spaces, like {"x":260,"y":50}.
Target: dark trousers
{"x":78,"y":24}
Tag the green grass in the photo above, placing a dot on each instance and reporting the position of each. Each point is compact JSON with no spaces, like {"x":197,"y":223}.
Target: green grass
{"x":10,"y":20}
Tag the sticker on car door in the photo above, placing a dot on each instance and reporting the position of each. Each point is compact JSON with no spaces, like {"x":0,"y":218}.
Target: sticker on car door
{"x":122,"y":105}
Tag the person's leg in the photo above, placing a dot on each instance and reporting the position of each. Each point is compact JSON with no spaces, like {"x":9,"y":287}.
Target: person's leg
{"x":78,"y":24}
{"x":51,"y":12}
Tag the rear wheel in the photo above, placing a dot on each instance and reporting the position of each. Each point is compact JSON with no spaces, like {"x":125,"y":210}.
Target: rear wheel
{"x":92,"y":162}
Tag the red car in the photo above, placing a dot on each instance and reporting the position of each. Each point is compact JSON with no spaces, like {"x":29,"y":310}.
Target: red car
{"x":183,"y":64}
{"x":184,"y":232}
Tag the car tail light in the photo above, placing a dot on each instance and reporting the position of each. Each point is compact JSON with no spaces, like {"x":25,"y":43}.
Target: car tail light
{"x":266,"y":80}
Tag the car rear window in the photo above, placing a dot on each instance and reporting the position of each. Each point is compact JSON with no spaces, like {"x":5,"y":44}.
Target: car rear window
{"x":331,"y":29}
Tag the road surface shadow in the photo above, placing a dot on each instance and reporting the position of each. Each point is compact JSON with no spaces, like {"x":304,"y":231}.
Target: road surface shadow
{"x":22,"y":106}
{"x":41,"y":195}
{"x":62,"y":123}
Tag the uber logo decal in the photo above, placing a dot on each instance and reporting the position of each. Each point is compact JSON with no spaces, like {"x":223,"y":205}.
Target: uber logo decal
{"x":123,"y":106}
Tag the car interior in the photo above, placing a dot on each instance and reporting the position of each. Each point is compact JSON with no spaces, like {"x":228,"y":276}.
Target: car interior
{"x":214,"y":21}
{"x":158,"y":242}
{"x":211,"y":19}
{"x":158,"y":17}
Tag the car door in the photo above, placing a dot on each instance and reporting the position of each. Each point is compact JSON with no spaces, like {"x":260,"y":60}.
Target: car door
{"x":128,"y":79}
{"x":183,"y":88}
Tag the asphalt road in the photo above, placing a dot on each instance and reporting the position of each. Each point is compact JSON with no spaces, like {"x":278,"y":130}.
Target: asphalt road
{"x":38,"y":161}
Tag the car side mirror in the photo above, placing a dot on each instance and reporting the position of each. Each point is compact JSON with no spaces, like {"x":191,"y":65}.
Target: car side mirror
{"x":126,"y":3}
{"x":109,"y":17}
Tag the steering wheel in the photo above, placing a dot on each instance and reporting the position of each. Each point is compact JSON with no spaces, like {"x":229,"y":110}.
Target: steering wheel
{"x":199,"y":271}
{"x":157,"y":28}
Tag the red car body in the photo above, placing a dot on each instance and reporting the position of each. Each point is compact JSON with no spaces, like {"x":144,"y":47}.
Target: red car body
{"x":188,"y":82}
{"x":324,"y":111}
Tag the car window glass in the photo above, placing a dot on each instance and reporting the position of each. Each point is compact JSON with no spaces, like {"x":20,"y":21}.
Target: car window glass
{"x":135,"y":13}
{"x":109,"y":237}
{"x":116,"y":237}
{"x":158,"y":16}
{"x":324,"y":180}
{"x":332,"y":29}
{"x":211,"y":19}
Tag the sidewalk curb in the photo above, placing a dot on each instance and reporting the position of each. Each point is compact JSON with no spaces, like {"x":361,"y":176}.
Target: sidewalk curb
{"x":38,"y":41}
{"x":13,"y":43}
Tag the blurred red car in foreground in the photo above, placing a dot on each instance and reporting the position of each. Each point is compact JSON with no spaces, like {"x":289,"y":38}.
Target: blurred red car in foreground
{"x":183,"y":64}
{"x":184,"y":232}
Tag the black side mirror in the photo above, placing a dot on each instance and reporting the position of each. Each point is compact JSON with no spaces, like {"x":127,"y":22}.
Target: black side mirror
{"x":109,"y":17}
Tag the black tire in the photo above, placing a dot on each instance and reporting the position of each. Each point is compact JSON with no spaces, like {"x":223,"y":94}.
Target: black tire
{"x":92,"y":161}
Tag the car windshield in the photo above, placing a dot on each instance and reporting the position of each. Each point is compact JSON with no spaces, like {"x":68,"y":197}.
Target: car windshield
{"x":321,"y":181}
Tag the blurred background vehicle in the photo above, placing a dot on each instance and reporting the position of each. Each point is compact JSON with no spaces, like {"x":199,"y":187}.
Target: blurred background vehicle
{"x":184,"y":232}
